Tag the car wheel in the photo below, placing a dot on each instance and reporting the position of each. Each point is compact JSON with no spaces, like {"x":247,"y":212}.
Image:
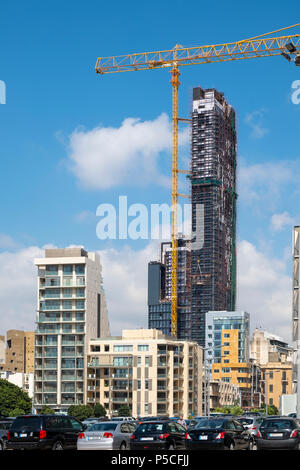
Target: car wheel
{"x":123,"y":446}
{"x":171,"y":447}
{"x":250,"y":445}
{"x":1,"y":446}
{"x":231,"y":447}
{"x":58,"y":445}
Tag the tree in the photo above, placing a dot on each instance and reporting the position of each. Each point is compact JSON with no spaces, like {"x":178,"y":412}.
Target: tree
{"x":46,"y":410}
{"x":124,"y":411}
{"x":16,"y":412}
{"x":13,"y":397}
{"x":99,"y":410}
{"x":80,"y":412}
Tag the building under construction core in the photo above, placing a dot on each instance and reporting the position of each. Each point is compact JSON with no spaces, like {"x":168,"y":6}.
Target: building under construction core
{"x":207,"y":262}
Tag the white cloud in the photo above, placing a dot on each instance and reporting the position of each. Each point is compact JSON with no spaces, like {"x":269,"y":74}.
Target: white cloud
{"x":105,"y":157}
{"x":280,"y":221}
{"x":255,"y":121}
{"x":6,"y":242}
{"x":18,"y":288}
{"x":264,"y":182}
{"x":85,"y":216}
{"x":264,"y":290}
{"x":125,"y":274}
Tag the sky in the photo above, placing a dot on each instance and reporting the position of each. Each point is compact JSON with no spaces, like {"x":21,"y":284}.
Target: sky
{"x":71,"y":140}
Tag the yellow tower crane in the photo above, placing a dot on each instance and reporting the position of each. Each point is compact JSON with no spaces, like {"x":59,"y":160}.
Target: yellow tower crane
{"x":258,"y":46}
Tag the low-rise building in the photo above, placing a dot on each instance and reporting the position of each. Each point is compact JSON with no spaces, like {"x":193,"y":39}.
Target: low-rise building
{"x":274,"y":357}
{"x":152,"y":373}
{"x":19,"y":351}
{"x":21,"y":379}
{"x":223,"y":394}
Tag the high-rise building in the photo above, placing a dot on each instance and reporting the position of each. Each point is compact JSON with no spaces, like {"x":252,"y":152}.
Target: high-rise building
{"x":206,"y":262}
{"x":295,"y":313}
{"x":159,"y":290}
{"x":71,"y":310}
{"x":227,"y":334}
{"x":227,"y":337}
{"x":153,"y":374}
{"x":213,"y":180}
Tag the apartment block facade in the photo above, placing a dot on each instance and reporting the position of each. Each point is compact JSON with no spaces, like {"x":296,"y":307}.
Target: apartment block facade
{"x":150,"y":372}
{"x":18,"y":351}
{"x":71,"y":310}
{"x":227,"y":334}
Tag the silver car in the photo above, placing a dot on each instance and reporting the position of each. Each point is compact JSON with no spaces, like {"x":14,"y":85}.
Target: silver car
{"x":108,"y":435}
{"x":251,"y":423}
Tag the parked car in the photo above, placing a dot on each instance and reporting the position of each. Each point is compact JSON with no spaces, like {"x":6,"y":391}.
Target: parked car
{"x":122,"y":418}
{"x":108,"y":435}
{"x":251,"y":423}
{"x":5,"y":424}
{"x":219,"y":433}
{"x":89,"y":421}
{"x":44,"y":432}
{"x":196,"y":420}
{"x":163,"y":434}
{"x":278,"y":433}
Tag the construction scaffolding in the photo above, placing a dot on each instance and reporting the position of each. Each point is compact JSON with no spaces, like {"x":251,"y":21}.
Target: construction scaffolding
{"x":213,"y":187}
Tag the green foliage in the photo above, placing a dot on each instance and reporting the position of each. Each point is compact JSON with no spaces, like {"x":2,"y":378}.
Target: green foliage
{"x":233,"y":410}
{"x":124,"y":411}
{"x":46,"y":410}
{"x":16,"y":412}
{"x":80,"y":412}
{"x":99,"y":410}
{"x":272,"y":409}
{"x":13,"y":398}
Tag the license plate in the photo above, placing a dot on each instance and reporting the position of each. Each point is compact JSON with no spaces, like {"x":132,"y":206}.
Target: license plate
{"x":278,"y":434}
{"x":22,"y":435}
{"x":203,"y":438}
{"x":146,"y":438}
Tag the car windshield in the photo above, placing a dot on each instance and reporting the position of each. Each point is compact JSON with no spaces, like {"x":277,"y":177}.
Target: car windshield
{"x":150,"y":428}
{"x":210,"y":424}
{"x":103,"y":427}
{"x":278,"y":424}
{"x":27,"y":422}
{"x":246,"y":420}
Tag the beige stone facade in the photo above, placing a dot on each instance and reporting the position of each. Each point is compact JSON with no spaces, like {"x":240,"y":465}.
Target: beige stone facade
{"x":153,"y":374}
{"x":19,"y":351}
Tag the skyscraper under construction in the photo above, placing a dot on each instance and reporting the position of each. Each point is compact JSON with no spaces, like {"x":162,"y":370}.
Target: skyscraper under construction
{"x":207,"y":261}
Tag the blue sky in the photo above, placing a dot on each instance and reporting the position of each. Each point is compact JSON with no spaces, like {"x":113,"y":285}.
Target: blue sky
{"x":48,"y":54}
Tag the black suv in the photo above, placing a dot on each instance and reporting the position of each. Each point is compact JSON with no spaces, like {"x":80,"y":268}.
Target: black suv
{"x":44,"y":432}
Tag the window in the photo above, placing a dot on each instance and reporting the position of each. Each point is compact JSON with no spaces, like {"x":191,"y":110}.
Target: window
{"x":75,"y":424}
{"x":79,"y":268}
{"x":123,"y":347}
{"x":143,"y":347}
{"x":139,"y":361}
{"x":146,"y":384}
{"x":68,"y":269}
{"x":147,"y":361}
{"x":124,"y":428}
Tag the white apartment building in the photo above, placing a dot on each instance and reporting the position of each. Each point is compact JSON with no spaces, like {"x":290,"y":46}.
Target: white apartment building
{"x":23,"y":380}
{"x":150,"y":372}
{"x":71,"y":309}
